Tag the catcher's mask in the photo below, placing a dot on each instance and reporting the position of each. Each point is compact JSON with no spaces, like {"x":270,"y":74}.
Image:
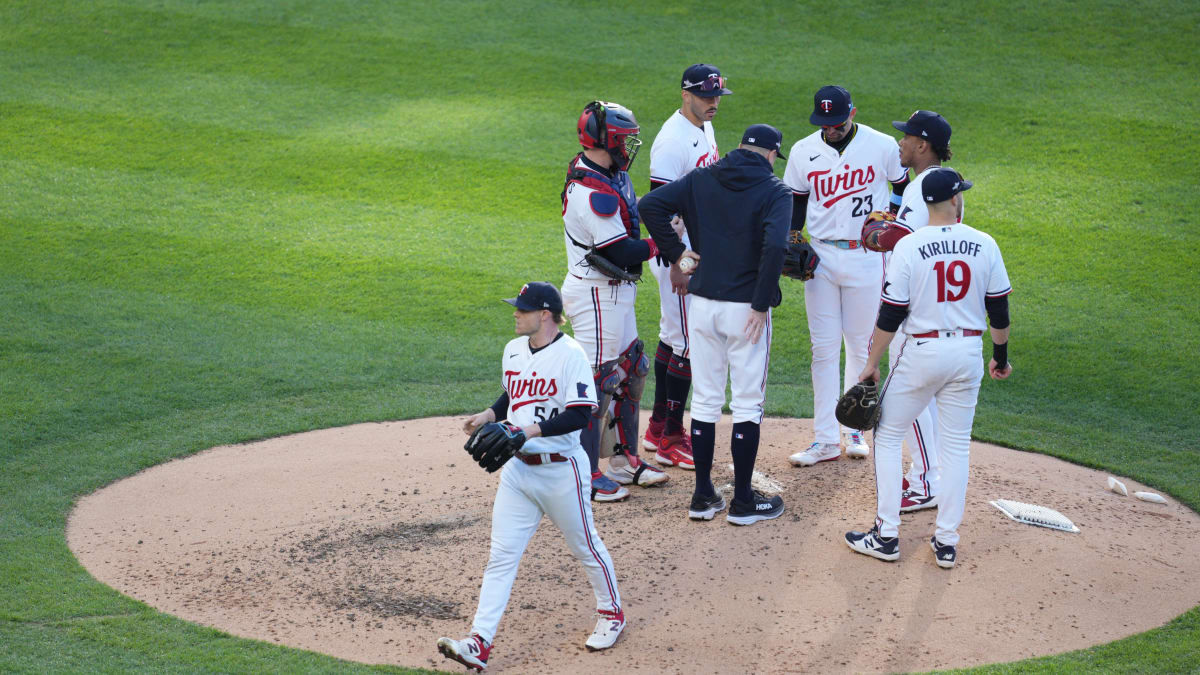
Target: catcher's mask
{"x":612,"y":127}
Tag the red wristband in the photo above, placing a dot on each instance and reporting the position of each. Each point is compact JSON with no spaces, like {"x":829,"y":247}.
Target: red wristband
{"x":653,"y":248}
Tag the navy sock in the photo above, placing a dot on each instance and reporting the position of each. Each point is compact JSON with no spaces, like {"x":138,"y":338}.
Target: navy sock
{"x":702,"y":452}
{"x":662,"y":357}
{"x":679,"y":383}
{"x":744,"y":446}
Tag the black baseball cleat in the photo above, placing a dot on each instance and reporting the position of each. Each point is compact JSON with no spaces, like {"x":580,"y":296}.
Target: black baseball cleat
{"x":705,"y":508}
{"x":762,"y":508}
{"x":870,"y":543}
{"x":943,"y":554}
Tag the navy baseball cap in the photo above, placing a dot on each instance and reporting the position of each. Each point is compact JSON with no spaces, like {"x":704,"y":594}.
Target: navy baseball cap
{"x":537,"y":295}
{"x":942,"y":184}
{"x":928,"y":125}
{"x":764,"y":136}
{"x":704,"y":80}
{"x":831,"y":106}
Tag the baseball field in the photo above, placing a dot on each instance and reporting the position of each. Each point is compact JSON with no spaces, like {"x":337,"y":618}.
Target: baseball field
{"x":231,"y":221}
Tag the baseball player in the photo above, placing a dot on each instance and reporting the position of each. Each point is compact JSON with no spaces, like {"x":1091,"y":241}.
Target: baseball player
{"x":941,"y":281}
{"x":685,"y":142}
{"x":925,"y":145}
{"x":737,"y":214}
{"x":602,"y":230}
{"x":838,"y":175}
{"x":550,"y":395}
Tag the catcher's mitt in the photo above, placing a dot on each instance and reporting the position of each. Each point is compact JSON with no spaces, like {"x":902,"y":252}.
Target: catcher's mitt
{"x":800,"y":261}
{"x":859,"y":407}
{"x":877,"y":223}
{"x":494,"y":443}
{"x":609,"y":268}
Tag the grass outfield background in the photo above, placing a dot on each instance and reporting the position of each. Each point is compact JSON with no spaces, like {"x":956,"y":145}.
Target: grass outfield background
{"x":224,"y":221}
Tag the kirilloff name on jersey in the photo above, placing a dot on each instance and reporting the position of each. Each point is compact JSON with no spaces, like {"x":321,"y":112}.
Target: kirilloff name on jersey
{"x":948,"y":247}
{"x":829,"y":187}
{"x":528,"y":388}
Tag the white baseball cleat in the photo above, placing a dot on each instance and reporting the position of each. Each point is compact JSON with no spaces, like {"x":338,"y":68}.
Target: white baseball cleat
{"x":645,"y":474}
{"x":856,"y":445}
{"x":472,"y":652}
{"x":608,"y":629}
{"x":817,"y":452}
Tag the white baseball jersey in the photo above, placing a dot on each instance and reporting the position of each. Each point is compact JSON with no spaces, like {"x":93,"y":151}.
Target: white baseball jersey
{"x":843,"y":189}
{"x":914,"y":212}
{"x":679,"y":147}
{"x":942,"y":274}
{"x":542,"y":385}
{"x":590,"y":218}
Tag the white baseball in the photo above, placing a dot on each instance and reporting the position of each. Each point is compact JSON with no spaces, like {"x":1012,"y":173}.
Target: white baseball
{"x":686,"y":264}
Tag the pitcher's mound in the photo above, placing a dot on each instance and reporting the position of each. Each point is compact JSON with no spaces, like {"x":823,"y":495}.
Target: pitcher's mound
{"x":368,"y":543}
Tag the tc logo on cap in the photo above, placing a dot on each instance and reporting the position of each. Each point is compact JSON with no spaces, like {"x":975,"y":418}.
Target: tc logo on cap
{"x":826,"y":106}
{"x":523,"y":289}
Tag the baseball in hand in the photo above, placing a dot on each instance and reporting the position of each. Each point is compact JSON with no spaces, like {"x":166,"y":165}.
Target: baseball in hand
{"x":687,"y":264}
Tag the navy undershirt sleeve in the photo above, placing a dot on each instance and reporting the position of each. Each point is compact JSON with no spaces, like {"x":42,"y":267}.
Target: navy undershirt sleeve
{"x":571,"y":419}
{"x":890,"y":317}
{"x":627,"y":252}
{"x":997,"y":310}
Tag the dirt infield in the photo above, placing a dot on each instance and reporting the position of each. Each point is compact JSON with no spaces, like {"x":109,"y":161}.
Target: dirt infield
{"x":368,"y":543}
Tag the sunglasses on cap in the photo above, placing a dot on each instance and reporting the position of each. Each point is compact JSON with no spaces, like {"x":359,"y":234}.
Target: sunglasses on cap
{"x":713,"y":82}
{"x":836,"y":127}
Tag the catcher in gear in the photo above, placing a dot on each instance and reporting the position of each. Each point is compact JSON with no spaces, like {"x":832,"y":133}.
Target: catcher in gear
{"x":548,"y":398}
{"x":605,"y":253}
{"x":800,"y":261}
{"x":860,"y":407}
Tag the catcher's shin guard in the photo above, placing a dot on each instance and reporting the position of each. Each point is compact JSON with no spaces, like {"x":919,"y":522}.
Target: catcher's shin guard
{"x":635,"y":365}
{"x":596,"y":437}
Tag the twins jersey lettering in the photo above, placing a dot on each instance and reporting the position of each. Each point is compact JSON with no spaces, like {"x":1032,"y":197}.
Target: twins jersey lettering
{"x":843,"y":189}
{"x":545,"y":384}
{"x":942,"y":274}
{"x":914,"y":212}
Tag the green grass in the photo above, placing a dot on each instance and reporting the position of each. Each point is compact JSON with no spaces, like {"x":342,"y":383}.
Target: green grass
{"x":226,"y":221}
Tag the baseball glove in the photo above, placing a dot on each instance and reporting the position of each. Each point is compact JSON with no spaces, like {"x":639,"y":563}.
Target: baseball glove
{"x":859,"y":407}
{"x":877,"y":223}
{"x":800,"y":261}
{"x":494,"y":443}
{"x":609,"y":268}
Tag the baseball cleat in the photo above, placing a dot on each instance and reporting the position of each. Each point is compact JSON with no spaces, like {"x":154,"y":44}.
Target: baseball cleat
{"x":676,"y":451}
{"x":856,"y":445}
{"x":943,"y":554}
{"x":817,"y":452}
{"x":654,"y":430}
{"x":644,"y":475}
{"x":608,"y":629}
{"x":762,"y":508}
{"x":605,"y":489}
{"x":870,"y":543}
{"x":915,"y":501}
{"x":705,"y":508}
{"x":471,"y":652}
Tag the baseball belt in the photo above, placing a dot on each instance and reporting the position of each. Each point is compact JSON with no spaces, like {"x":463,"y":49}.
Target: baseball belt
{"x":543,"y":458}
{"x":966,"y":332}
{"x":843,"y":243}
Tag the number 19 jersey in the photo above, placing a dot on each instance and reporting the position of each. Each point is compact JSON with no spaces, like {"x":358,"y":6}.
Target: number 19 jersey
{"x":942,"y":274}
{"x":543,"y":384}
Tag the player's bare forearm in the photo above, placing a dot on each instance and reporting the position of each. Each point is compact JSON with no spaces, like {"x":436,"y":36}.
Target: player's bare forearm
{"x":1000,"y":335}
{"x":480,"y":418}
{"x":880,"y":339}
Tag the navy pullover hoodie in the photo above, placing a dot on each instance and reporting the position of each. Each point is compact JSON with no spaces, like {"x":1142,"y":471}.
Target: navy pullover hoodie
{"x":737,"y":214}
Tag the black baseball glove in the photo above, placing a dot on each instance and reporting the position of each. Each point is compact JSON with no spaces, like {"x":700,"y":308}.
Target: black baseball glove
{"x":494,"y":443}
{"x":608,"y":268}
{"x":800,"y":261}
{"x":859,"y":407}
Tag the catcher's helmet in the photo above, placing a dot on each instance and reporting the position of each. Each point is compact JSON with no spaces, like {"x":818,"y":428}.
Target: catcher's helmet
{"x":611,"y":127}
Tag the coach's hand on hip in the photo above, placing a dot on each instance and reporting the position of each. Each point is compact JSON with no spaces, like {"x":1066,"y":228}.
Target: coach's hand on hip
{"x":754,"y":325}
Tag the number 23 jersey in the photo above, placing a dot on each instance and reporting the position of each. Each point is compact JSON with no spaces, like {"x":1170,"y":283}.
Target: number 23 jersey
{"x":942,"y":273}
{"x":542,"y":385}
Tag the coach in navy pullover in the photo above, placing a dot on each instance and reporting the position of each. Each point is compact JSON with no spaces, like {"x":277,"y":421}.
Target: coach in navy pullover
{"x":737,"y":214}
